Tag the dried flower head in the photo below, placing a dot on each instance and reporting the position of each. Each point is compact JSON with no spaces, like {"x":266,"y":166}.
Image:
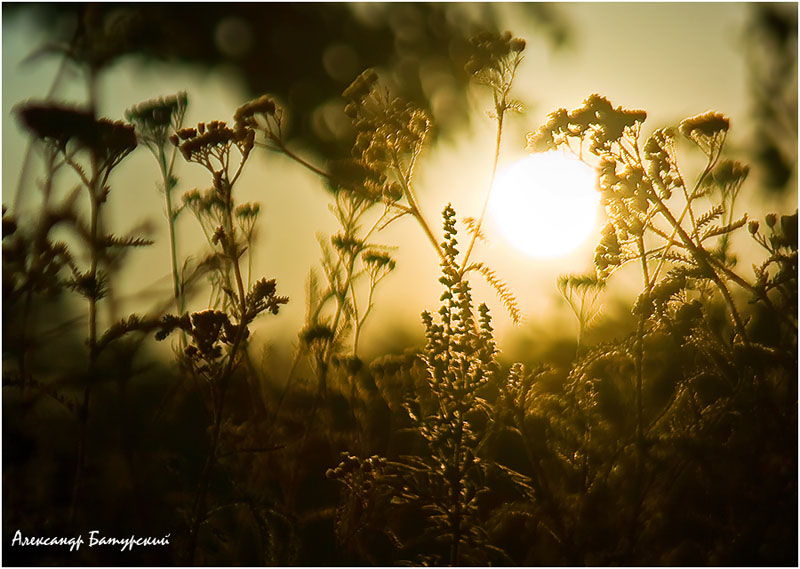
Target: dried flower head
{"x":55,"y":123}
{"x":597,"y":120}
{"x":245,"y":116}
{"x":157,"y":113}
{"x":108,"y":141}
{"x":707,"y":130}
{"x":214,"y":139}
{"x":112,"y":141}
{"x":489,"y":50}
{"x":263,"y":297}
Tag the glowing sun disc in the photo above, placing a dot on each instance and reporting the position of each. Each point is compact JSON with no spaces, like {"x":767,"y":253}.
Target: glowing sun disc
{"x":545,"y":205}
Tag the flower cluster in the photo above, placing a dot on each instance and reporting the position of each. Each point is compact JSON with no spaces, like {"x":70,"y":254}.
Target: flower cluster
{"x":206,"y":328}
{"x":213,"y":140}
{"x":389,"y":136}
{"x":596,"y":120}
{"x":608,"y":253}
{"x":493,"y":62}
{"x":263,"y":297}
{"x":107,"y":141}
{"x":489,"y":49}
{"x":56,"y":123}
{"x":707,"y":130}
{"x":246,"y":115}
{"x":154,"y":119}
{"x":662,"y":167}
{"x":261,"y":114}
{"x":624,"y":193}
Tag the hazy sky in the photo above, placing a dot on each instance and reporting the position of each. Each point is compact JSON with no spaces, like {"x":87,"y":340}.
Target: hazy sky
{"x":673,"y":60}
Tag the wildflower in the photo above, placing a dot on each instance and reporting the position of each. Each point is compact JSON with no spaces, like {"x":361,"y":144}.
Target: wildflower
{"x":730,"y":172}
{"x":359,"y":177}
{"x":214,"y":139}
{"x":596,"y":120}
{"x":706,"y":124}
{"x":262,"y":297}
{"x":771,"y":219}
{"x":208,"y":328}
{"x":245,"y":116}
{"x":111,"y":142}
{"x":55,"y":123}
{"x":108,"y":141}
{"x":707,"y":130}
{"x":247,"y":211}
{"x":378,"y":259}
{"x":157,"y":113}
{"x":489,"y":51}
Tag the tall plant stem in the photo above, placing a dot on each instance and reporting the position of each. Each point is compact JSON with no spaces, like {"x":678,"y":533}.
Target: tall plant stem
{"x":499,"y":137}
{"x":639,"y":370}
{"x":455,"y":493}
{"x":199,"y":508}
{"x":640,"y":345}
{"x":413,"y":206}
{"x":96,"y":188}
{"x":166,"y":174}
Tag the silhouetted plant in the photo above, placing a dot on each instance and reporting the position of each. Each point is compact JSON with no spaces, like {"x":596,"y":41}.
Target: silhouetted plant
{"x":92,"y":148}
{"x":684,"y":372}
{"x":581,"y":293}
{"x":218,"y":337}
{"x":155,"y":121}
{"x":447,"y":480}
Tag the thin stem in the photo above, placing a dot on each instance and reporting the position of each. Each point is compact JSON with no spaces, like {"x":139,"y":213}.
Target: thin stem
{"x":166,"y":173}
{"x":500,"y":117}
{"x":281,"y":147}
{"x":224,"y":380}
{"x":95,"y":187}
{"x":414,"y":207}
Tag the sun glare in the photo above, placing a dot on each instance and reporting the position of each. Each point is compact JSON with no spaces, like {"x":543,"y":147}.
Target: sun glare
{"x":545,"y":205}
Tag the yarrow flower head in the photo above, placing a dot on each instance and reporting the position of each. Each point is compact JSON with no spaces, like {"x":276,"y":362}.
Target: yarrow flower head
{"x":159,"y":112}
{"x":245,"y":116}
{"x":597,"y":120}
{"x":388,"y":131}
{"x":490,"y":49}
{"x":707,"y":130}
{"x":706,"y":124}
{"x":55,"y":123}
{"x":108,"y":141}
{"x":213,"y":139}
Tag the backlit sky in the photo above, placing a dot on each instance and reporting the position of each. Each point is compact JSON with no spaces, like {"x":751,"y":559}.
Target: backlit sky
{"x":673,"y":60}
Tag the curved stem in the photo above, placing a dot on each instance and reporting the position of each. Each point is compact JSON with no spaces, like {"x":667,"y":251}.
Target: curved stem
{"x":414,"y":207}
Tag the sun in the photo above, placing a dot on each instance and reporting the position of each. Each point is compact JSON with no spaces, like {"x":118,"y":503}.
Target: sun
{"x":546,"y":204}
